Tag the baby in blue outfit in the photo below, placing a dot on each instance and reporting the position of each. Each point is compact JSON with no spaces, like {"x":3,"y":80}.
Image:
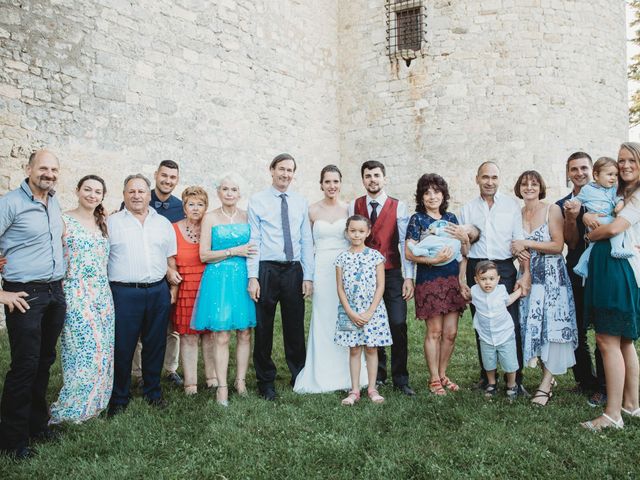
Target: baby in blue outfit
{"x":601,"y":197}
{"x":438,"y":238}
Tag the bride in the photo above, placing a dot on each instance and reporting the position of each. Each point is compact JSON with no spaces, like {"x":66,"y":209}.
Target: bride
{"x":327,"y":365}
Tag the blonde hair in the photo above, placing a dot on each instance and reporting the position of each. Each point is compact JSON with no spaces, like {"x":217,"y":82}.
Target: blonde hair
{"x":195,"y":192}
{"x":627,"y":189}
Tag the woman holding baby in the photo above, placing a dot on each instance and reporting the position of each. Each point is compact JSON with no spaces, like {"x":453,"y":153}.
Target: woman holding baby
{"x":437,"y":294}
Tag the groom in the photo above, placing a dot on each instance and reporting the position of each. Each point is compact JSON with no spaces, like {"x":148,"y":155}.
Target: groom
{"x":282,"y":271}
{"x":388,"y":225}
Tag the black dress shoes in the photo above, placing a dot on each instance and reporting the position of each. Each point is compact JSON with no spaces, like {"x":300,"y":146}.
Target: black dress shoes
{"x":115,"y":409}
{"x":405,"y":389}
{"x":175,"y":379}
{"x":159,"y":403}
{"x":18,"y":454}
{"x":268,"y":393}
{"x":47,"y":435}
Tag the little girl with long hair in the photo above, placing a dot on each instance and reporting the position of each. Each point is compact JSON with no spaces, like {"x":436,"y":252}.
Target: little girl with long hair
{"x":362,"y":316}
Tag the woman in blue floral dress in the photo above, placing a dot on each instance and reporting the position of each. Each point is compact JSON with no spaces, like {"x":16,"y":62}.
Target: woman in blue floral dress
{"x":88,"y":333}
{"x":547,"y":314}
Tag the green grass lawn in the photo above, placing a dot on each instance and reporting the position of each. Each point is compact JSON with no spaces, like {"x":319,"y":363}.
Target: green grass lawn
{"x":459,"y":436}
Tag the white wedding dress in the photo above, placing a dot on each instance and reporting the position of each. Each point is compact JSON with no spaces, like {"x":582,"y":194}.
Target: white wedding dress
{"x":327,"y":365}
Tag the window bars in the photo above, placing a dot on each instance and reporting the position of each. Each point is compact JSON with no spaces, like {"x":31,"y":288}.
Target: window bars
{"x":406,"y":28}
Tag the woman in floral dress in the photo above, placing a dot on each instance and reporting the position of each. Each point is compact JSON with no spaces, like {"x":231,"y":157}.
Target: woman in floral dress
{"x":88,"y":333}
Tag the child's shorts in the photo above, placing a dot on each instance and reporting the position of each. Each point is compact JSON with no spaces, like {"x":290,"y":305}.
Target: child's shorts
{"x":506,"y":353}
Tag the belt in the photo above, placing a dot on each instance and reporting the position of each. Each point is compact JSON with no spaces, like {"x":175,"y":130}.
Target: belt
{"x":137,"y":285}
{"x":54,"y":283}
{"x":506,"y":260}
{"x":283,"y":263}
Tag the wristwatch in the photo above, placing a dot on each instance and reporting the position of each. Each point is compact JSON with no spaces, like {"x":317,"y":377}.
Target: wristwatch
{"x":228,"y":253}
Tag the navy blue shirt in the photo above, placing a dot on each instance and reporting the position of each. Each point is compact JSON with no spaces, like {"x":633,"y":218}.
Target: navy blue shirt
{"x":171,"y":209}
{"x":573,"y":255}
{"x":31,"y":236}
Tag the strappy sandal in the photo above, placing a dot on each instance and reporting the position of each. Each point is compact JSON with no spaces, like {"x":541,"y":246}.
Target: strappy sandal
{"x":634,"y":413}
{"x":491,"y":390}
{"x":448,"y":384}
{"x":190,"y":389}
{"x":223,"y":403}
{"x":374,"y":396}
{"x":212,"y":383}
{"x":541,"y":394}
{"x":596,"y":428}
{"x":436,"y":388}
{"x":241,"y":387}
{"x":351,"y":399}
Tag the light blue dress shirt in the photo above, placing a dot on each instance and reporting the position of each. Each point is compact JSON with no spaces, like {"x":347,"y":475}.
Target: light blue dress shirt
{"x":266,"y":230}
{"x":31,"y":237}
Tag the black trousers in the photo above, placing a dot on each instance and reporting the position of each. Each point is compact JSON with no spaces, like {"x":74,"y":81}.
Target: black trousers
{"x":139,"y":313}
{"x":280,"y":282}
{"x":32,"y":338}
{"x":583,"y":371}
{"x":508,"y":276}
{"x":397,"y":313}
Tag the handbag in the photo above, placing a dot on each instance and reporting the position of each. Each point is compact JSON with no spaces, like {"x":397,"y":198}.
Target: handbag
{"x":344,"y":322}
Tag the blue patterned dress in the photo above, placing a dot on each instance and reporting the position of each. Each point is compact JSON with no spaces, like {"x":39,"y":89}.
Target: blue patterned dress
{"x":548,"y":314}
{"x":359,"y":281}
{"x":223,"y":302}
{"x":88,"y":332}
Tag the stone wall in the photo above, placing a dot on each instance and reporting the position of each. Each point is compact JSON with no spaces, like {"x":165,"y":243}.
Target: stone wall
{"x":116,"y":86}
{"x":520,"y":82}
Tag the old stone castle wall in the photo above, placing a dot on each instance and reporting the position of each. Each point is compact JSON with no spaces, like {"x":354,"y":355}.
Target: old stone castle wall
{"x":115,"y":86}
{"x":520,"y":82}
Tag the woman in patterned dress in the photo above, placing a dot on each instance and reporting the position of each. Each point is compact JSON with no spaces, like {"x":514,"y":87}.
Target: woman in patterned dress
{"x":88,"y":333}
{"x":437,"y":295}
{"x":547,"y":314}
{"x":194,"y":202}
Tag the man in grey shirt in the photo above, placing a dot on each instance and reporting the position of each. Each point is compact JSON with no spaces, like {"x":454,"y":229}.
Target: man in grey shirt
{"x":31,"y":230}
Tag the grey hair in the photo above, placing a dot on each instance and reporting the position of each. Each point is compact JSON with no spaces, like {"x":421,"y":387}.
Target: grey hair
{"x":136,"y":175}
{"x":232,"y":178}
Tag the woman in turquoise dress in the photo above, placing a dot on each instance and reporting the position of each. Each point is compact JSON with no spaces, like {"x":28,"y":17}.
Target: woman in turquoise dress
{"x":612,"y":299}
{"x":223,"y":303}
{"x":88,"y":332}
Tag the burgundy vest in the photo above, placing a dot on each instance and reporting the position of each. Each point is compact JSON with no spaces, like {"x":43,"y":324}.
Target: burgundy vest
{"x":384,"y":234}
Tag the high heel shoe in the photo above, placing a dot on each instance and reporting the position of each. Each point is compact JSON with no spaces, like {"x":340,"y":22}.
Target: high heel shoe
{"x":241,"y":387}
{"x":225,"y":402}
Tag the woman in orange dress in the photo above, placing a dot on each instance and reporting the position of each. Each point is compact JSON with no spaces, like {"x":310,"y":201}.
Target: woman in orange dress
{"x":194,"y":201}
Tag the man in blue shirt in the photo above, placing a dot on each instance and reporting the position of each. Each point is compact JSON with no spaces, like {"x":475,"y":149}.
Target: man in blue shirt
{"x":31,"y":229}
{"x":282,"y":271}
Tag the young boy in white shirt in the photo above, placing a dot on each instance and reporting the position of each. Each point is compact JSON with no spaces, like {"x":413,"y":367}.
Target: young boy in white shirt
{"x":495,"y":328}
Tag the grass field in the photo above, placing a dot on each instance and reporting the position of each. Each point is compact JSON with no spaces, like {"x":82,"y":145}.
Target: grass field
{"x":459,"y":436}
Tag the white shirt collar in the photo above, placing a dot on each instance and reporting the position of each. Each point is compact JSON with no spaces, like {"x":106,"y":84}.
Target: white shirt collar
{"x":381,"y":199}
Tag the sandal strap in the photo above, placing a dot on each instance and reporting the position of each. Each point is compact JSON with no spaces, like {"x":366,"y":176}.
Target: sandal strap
{"x":615,"y":424}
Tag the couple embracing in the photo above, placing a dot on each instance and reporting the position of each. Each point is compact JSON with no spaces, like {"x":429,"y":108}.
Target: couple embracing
{"x":287,"y":269}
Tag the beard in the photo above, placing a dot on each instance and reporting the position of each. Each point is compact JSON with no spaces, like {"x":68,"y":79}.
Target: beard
{"x":45,"y":183}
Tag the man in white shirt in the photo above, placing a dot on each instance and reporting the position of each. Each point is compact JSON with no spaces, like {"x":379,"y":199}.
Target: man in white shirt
{"x":389,"y":220}
{"x":143,"y":245}
{"x":499,"y":219}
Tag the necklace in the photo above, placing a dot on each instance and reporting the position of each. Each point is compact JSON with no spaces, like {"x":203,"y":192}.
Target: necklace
{"x":193,"y":234}
{"x":230,"y":217}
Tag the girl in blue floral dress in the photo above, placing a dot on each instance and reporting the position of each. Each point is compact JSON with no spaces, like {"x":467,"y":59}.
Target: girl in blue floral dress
{"x":362,"y":316}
